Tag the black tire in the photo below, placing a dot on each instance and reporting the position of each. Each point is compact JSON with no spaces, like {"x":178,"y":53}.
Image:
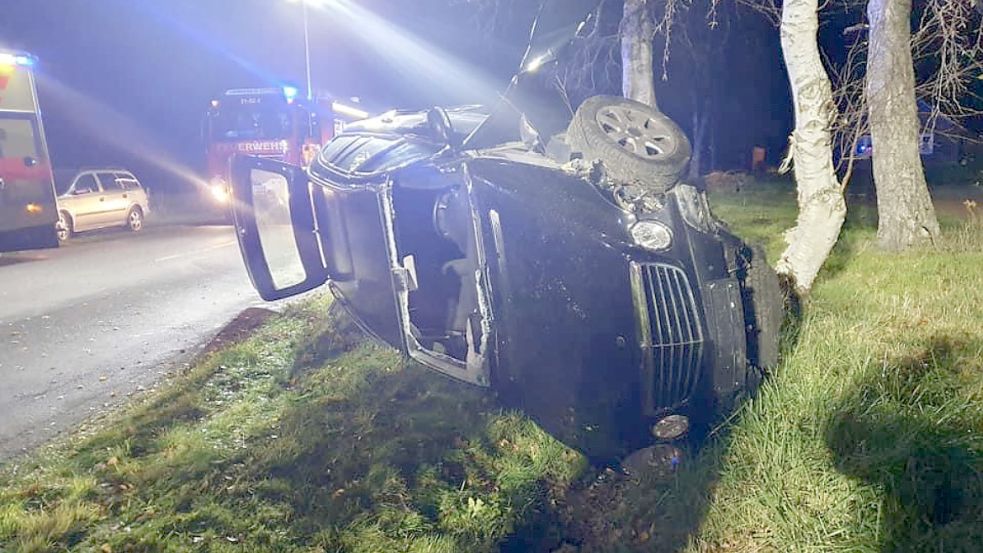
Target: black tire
{"x":637,"y":143}
{"x":763,"y":291}
{"x":134,"y":219}
{"x":64,"y":227}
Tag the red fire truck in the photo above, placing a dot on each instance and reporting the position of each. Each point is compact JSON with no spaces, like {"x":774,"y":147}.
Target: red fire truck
{"x":268,"y":122}
{"x":28,"y":211}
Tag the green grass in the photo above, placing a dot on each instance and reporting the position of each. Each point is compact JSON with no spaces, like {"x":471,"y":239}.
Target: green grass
{"x":868,"y":437}
{"x":298,"y":439}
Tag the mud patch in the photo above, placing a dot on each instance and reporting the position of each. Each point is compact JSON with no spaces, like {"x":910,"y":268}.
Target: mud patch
{"x":598,"y":514}
{"x":239,"y":329}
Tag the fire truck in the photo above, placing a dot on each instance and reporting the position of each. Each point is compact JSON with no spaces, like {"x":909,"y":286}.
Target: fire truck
{"x":271,"y":123}
{"x":28,"y":211}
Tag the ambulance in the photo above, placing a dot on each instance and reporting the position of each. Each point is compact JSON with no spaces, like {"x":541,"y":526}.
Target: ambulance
{"x":28,"y":212}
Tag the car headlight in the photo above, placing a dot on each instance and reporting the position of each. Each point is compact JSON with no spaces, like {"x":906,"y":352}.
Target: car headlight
{"x":695,"y":209}
{"x":652,"y":235}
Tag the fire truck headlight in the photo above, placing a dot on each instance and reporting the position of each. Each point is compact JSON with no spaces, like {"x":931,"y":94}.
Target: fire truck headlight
{"x":219,"y":191}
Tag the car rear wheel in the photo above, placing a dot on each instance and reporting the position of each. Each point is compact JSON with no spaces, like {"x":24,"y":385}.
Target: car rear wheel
{"x":763,"y":291}
{"x":63,"y":228}
{"x":637,"y":143}
{"x":134,"y":219}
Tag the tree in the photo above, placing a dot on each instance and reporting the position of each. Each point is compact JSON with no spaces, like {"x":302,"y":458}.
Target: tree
{"x":944,"y":57}
{"x":822,"y":208}
{"x":637,"y":60}
{"x":906,"y":216}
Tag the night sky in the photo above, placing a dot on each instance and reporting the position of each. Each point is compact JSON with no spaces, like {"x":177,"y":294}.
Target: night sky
{"x":126,"y":82}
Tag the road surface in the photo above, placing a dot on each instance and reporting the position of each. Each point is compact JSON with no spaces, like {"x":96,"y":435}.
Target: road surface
{"x":106,"y":316}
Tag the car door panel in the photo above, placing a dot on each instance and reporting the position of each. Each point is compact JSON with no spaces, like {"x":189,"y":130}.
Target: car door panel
{"x":133,"y":193}
{"x":86,"y":203}
{"x":116,"y":202}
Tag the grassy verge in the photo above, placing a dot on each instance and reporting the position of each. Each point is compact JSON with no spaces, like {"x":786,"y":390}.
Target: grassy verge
{"x":287,"y":443}
{"x":868,"y":437}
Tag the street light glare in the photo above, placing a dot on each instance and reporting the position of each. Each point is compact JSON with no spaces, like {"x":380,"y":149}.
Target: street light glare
{"x":350,"y":111}
{"x":311,"y":3}
{"x":408,"y":54}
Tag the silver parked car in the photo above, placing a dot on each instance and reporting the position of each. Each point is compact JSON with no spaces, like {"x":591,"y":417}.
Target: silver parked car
{"x":100,"y":198}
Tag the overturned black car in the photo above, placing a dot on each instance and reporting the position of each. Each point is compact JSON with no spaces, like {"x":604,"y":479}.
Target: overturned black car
{"x":566,"y":268}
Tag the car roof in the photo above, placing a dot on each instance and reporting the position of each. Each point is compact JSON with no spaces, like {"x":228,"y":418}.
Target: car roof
{"x":73,"y":173}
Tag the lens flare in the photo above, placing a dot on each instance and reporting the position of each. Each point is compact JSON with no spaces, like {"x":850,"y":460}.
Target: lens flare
{"x":412,"y":56}
{"x":96,"y":117}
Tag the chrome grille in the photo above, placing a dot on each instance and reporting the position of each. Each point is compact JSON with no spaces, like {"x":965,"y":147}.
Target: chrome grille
{"x":670,"y":332}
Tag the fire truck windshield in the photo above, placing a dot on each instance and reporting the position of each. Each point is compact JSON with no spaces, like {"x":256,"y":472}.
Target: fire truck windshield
{"x":231,"y":124}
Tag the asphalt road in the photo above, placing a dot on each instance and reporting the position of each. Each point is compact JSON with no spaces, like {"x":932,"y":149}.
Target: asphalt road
{"x":105,"y":317}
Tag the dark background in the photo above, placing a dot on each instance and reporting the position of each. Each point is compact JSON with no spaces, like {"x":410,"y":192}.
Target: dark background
{"x":126,"y":82}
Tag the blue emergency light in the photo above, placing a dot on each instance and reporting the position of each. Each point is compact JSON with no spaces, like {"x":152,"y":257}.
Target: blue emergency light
{"x":16,"y":59}
{"x":290,"y":92}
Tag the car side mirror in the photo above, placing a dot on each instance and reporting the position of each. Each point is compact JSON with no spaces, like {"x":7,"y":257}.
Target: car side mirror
{"x":275,"y":225}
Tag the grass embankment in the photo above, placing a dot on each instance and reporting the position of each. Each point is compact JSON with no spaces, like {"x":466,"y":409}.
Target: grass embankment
{"x":296,"y":440}
{"x":869,"y":437}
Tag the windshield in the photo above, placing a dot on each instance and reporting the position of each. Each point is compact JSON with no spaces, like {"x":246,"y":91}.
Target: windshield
{"x":250,"y":123}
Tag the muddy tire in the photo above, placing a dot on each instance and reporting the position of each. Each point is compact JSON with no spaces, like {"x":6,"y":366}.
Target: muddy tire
{"x":766,"y":313}
{"x":636,"y":143}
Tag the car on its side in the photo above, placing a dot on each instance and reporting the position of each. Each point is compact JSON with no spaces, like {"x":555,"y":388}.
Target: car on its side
{"x":93,"y":199}
{"x":550,"y":254}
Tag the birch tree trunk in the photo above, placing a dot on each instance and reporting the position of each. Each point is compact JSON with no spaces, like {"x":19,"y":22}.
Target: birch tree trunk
{"x":822,"y":208}
{"x":637,"y":72}
{"x":906,"y":216}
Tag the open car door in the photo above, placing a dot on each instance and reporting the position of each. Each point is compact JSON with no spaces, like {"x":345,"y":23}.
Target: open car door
{"x":273,"y":210}
{"x":296,"y":235}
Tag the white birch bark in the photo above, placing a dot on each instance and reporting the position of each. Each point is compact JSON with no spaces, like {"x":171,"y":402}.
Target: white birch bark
{"x":822,"y":208}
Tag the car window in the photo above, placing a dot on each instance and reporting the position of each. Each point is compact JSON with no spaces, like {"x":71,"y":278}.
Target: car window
{"x":109,"y":182}
{"x":18,"y":138}
{"x":85,"y":184}
{"x":127,"y":181}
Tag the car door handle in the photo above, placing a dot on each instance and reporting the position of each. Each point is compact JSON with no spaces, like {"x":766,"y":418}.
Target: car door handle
{"x":102,"y":199}
{"x":125,"y":196}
